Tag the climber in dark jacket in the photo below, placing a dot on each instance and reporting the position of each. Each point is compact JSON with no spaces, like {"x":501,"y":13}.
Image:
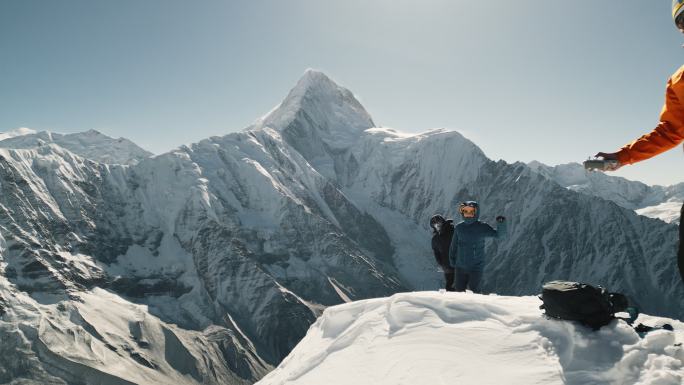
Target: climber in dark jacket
{"x":442,"y":230}
{"x":466,"y":253}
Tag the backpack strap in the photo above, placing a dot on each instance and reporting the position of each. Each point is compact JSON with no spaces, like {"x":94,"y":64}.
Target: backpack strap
{"x":642,"y":329}
{"x":633,"y":312}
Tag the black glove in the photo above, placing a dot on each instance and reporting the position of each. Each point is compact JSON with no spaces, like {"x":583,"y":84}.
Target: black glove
{"x":500,"y":219}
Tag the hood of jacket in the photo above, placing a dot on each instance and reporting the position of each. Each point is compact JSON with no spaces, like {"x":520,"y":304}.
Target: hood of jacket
{"x":477,"y":212}
{"x":447,"y":223}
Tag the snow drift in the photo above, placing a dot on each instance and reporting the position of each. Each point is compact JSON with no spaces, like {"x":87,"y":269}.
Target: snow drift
{"x":462,"y":338}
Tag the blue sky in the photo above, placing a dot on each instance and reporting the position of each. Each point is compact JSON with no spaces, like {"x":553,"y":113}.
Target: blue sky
{"x":548,"y":80}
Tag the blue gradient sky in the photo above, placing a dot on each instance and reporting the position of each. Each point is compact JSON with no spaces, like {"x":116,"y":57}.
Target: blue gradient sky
{"x":546,"y":80}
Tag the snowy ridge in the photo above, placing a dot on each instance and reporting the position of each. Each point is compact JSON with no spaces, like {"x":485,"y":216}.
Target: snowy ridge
{"x":99,"y":338}
{"x":334,"y":109}
{"x":245,"y":239}
{"x":90,"y":144}
{"x":204,"y":236}
{"x":433,"y":338}
{"x":320,"y":120}
{"x":668,"y":211}
{"x":402,"y":180}
{"x":659,"y":202}
{"x":17,"y":132}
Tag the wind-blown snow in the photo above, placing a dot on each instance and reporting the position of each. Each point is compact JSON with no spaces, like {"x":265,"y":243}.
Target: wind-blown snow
{"x":462,"y":338}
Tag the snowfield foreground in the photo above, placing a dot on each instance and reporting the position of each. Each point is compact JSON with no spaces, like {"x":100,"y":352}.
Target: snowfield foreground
{"x":462,"y":338}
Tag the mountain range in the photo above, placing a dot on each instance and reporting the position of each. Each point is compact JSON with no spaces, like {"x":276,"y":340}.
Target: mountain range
{"x":662,"y":202}
{"x":208,"y":263}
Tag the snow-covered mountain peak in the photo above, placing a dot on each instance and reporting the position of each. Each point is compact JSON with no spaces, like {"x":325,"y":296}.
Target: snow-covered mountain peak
{"x":569,"y":174}
{"x":90,"y":144}
{"x":462,"y":143}
{"x":316,"y":85}
{"x":390,"y":134}
{"x":432,"y":147}
{"x":313,"y":208}
{"x":318,"y":109}
{"x":315,"y":80}
{"x":94,"y":133}
{"x":16,"y":132}
{"x":662,"y":202}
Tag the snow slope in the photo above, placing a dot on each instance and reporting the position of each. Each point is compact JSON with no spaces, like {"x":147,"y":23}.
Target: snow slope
{"x":97,"y":337}
{"x":668,"y":211}
{"x":90,"y":144}
{"x":254,"y":233}
{"x":402,"y":180}
{"x":17,"y":132}
{"x":238,"y":233}
{"x":661,"y":202}
{"x":463,"y":338}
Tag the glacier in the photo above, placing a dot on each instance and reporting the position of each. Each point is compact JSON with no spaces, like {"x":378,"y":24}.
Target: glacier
{"x":235,"y":245}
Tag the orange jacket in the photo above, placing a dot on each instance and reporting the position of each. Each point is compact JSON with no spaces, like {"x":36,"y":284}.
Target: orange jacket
{"x":670,"y":130}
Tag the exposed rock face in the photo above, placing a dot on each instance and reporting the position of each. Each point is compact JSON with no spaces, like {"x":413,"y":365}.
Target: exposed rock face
{"x":208,"y":264}
{"x":662,"y":202}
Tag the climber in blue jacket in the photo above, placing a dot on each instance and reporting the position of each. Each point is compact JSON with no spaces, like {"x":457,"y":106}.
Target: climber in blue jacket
{"x":467,"y":249}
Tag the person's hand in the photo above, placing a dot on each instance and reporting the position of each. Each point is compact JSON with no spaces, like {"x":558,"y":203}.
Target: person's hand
{"x":610,"y":156}
{"x":500,"y":219}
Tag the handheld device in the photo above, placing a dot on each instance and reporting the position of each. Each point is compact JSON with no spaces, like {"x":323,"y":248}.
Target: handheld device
{"x":600,"y":164}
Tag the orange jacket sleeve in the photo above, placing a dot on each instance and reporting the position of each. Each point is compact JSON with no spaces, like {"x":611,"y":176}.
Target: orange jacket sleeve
{"x":669,"y":132}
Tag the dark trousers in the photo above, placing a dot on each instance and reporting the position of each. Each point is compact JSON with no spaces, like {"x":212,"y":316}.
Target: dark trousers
{"x":449,"y":277}
{"x":680,"y":253}
{"x":468,"y":279}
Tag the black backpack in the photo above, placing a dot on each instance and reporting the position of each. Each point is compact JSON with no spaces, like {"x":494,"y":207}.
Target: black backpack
{"x":574,"y":301}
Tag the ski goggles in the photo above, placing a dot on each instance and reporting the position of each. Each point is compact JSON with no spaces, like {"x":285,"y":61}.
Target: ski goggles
{"x":467,"y":210}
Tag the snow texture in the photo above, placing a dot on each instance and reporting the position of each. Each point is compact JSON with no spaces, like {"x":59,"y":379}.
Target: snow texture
{"x":463,"y":338}
{"x":99,"y":338}
{"x":661,"y":202}
{"x":17,"y":132}
{"x":90,"y":144}
{"x":669,"y":211}
{"x":241,"y":241}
